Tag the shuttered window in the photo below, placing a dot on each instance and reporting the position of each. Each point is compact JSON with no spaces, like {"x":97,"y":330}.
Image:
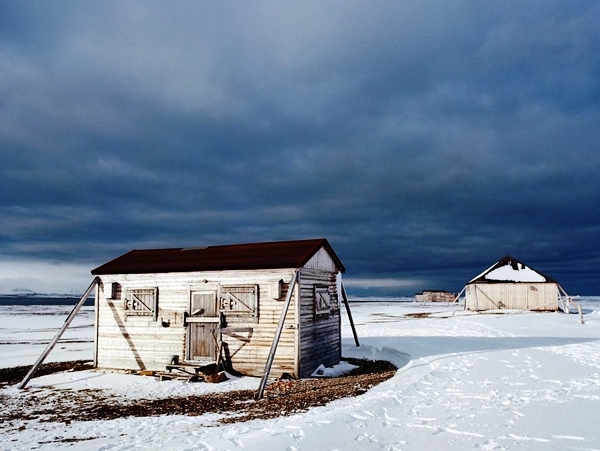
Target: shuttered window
{"x":239,"y":302}
{"x":322,"y":301}
{"x":141,"y":302}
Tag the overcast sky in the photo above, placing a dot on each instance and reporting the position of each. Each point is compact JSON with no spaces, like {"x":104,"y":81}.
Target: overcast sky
{"x":424,"y":139}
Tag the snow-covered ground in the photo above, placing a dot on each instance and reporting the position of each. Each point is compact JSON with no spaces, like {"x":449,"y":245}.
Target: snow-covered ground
{"x":512,"y":381}
{"x":26,"y":330}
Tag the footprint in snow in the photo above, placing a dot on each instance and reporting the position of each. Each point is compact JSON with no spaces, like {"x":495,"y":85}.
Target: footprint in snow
{"x":369,"y":437}
{"x":399,"y":446}
{"x":298,"y":435}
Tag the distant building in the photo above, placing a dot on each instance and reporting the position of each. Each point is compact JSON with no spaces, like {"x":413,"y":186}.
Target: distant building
{"x":510,"y":284}
{"x":435,"y":296}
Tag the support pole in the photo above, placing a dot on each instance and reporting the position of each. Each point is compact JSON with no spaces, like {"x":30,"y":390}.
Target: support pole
{"x":51,"y":345}
{"x":580,"y":314}
{"x":565,"y":303}
{"x":457,"y":300}
{"x":286,"y":305}
{"x":345,"y":299}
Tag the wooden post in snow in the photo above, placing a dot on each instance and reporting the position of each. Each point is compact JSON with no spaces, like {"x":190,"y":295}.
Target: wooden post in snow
{"x":286,"y":305}
{"x":569,"y":299}
{"x":457,"y":300}
{"x":51,"y":345}
{"x":580,"y":313}
{"x":345,"y":298}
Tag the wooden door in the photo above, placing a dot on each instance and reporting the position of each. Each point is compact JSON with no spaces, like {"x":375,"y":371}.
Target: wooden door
{"x":203,"y":322}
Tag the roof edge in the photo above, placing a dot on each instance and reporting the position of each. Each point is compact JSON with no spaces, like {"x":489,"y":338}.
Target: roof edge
{"x":311,"y":247}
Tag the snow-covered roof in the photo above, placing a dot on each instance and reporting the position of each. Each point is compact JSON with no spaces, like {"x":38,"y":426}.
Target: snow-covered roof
{"x":509,"y":269}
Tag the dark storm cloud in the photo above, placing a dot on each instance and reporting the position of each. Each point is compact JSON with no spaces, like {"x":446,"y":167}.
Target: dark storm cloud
{"x":426,"y":140}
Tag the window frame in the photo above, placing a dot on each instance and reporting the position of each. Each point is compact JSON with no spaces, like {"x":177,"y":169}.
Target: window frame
{"x":150,"y":306}
{"x":322,"y":304}
{"x":116,"y":290}
{"x":228,"y":302}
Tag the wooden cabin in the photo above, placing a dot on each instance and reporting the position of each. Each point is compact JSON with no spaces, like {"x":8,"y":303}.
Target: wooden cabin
{"x":510,"y":284}
{"x":158,"y":306}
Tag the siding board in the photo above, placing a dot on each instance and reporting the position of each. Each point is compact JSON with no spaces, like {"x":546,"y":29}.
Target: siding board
{"x":520,"y":296}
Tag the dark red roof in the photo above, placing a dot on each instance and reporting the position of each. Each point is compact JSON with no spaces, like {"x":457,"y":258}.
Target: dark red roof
{"x":273,"y":255}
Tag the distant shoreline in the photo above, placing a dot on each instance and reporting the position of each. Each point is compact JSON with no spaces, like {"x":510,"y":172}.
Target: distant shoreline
{"x":43,"y":300}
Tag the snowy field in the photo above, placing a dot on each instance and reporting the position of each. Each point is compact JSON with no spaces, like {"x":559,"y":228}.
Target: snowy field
{"x":25,"y":331}
{"x":467,"y":381}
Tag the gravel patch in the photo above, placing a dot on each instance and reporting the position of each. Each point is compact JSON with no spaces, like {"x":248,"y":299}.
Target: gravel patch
{"x":282,"y":397}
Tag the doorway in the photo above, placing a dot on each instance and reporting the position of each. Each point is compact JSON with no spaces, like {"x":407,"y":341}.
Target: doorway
{"x":203,"y":325}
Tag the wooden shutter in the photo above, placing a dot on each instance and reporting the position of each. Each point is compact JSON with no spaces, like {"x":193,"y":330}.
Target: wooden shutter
{"x":239,"y":302}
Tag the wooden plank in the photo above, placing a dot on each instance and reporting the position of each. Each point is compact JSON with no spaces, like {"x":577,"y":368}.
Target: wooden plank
{"x":263,"y":381}
{"x":199,"y":319}
{"x":52,"y":343}
{"x":345,"y":298}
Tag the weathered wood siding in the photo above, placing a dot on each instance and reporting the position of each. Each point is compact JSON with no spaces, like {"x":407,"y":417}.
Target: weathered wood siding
{"x":521,"y":296}
{"x":321,"y":261}
{"x":320,"y":334}
{"x":248,"y":351}
{"x":139,"y":342}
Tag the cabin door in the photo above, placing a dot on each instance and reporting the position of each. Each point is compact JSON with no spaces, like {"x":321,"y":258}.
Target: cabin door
{"x":203,"y":324}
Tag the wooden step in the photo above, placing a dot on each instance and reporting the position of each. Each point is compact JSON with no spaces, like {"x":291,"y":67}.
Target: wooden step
{"x":193,"y":368}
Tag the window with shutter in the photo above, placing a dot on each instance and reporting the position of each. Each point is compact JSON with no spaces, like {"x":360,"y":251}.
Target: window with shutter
{"x":141,"y":302}
{"x":239,"y":302}
{"x":322,"y":301}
